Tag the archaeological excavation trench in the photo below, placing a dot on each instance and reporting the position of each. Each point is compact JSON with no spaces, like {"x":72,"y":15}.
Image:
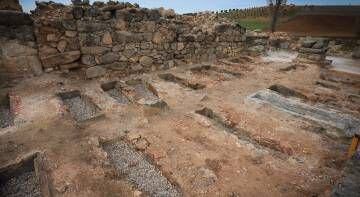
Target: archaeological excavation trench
{"x":269,"y":145}
{"x":114,"y":90}
{"x":182,"y":82}
{"x":20,"y":179}
{"x":145,"y":93}
{"x":6,"y":117}
{"x":117,"y":99}
{"x":81,"y":108}
{"x":139,"y":170}
{"x":209,"y":70}
{"x":348,"y":124}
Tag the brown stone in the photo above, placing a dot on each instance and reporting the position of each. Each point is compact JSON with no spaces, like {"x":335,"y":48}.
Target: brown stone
{"x":61,"y":46}
{"x":60,"y":59}
{"x":94,"y":50}
{"x":107,"y":39}
{"x":70,"y":34}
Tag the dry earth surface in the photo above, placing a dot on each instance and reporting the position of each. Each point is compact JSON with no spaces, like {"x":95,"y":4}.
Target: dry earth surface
{"x":251,"y":149}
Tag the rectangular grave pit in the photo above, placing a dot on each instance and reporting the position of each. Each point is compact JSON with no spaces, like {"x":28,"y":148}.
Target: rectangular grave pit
{"x":138,"y":169}
{"x":20,"y":179}
{"x":114,"y":90}
{"x":81,"y":108}
{"x":269,"y":145}
{"x":6,"y":116}
{"x":348,"y":124}
{"x":207,"y":69}
{"x":146,"y":94}
{"x":182,"y":82}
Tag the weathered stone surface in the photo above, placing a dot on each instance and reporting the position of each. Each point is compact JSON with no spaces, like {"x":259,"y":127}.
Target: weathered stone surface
{"x":90,"y":26}
{"x":69,"y":24}
{"x":94,"y":50}
{"x":35,"y":65}
{"x":356,"y":53}
{"x":308,"y":43}
{"x":69,"y":66}
{"x":70,"y":34}
{"x":107,"y":39}
{"x":61,"y":46}
{"x":311,"y":50}
{"x":319,"y":44}
{"x":88,"y":60}
{"x":87,"y":39}
{"x":60,"y":59}
{"x":109,"y":58}
{"x":12,"y":49}
{"x":95,"y":71}
{"x":258,"y":48}
{"x":120,"y":24}
{"x":46,"y":50}
{"x":164,"y":36}
{"x":146,"y":61}
{"x":123,"y":36}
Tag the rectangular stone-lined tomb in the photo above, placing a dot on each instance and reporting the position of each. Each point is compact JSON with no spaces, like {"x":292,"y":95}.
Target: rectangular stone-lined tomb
{"x":269,"y":145}
{"x":20,"y":179}
{"x":348,"y":124}
{"x":145,"y":93}
{"x":114,"y":90}
{"x":6,"y":117}
{"x":80,"y":107}
{"x":208,"y":70}
{"x":182,"y":82}
{"x":139,"y":170}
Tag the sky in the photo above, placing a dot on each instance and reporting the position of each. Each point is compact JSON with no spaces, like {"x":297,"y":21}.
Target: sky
{"x":185,"y":6}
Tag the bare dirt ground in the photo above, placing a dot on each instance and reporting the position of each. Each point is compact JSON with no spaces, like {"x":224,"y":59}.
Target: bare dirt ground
{"x":198,"y":156}
{"x":320,"y":25}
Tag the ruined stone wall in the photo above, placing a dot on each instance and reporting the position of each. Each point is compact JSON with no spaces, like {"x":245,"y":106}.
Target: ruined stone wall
{"x":123,"y":38}
{"x":18,"y":48}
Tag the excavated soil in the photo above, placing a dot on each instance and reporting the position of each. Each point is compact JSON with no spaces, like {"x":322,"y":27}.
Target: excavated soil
{"x":242,"y":148}
{"x":320,"y":25}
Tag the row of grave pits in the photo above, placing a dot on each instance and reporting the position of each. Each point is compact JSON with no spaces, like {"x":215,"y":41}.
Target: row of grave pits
{"x":22,"y":179}
{"x":82,"y":108}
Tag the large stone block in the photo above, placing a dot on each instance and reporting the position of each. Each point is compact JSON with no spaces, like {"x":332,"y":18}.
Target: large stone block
{"x":109,"y":58}
{"x":88,"y":60}
{"x":123,"y":36}
{"x":90,"y":26}
{"x":60,"y":59}
{"x":97,"y":50}
{"x":95,"y":71}
{"x":146,"y":61}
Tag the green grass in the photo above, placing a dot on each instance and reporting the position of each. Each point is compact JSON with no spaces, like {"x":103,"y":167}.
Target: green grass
{"x":253,"y":24}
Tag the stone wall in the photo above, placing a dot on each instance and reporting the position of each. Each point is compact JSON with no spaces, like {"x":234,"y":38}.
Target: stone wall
{"x":124,"y":39}
{"x":18,"y":48}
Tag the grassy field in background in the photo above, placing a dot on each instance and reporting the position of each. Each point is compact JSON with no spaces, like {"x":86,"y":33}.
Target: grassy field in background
{"x":254,"y":23}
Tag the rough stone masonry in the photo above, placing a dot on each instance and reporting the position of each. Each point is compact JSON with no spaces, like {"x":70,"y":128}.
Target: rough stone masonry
{"x":124,"y":38}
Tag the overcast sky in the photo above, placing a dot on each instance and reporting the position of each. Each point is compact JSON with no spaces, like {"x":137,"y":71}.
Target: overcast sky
{"x":183,"y":6}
